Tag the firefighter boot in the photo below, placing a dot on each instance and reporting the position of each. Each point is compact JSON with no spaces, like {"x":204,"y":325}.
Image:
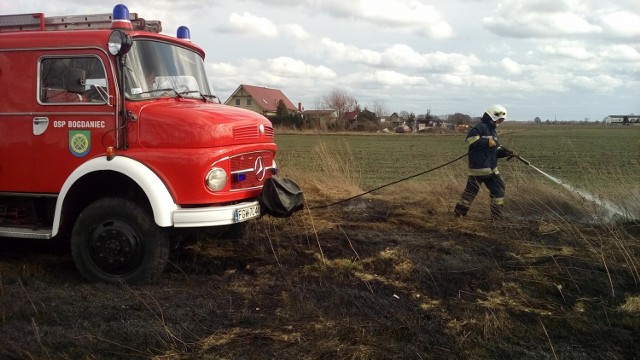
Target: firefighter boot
{"x":460,"y":210}
{"x":496,"y":211}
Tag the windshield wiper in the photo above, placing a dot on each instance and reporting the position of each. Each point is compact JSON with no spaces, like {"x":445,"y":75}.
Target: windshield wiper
{"x":210,"y":97}
{"x":203,"y":96}
{"x":165,"y":90}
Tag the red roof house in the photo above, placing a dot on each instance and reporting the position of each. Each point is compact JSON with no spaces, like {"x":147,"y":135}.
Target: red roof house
{"x":259,"y":99}
{"x":351,"y":116}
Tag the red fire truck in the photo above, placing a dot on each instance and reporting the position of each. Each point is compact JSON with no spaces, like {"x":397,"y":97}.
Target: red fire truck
{"x":111,"y":136}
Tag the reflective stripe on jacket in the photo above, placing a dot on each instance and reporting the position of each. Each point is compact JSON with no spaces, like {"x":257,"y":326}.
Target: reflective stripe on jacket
{"x":483,"y":160}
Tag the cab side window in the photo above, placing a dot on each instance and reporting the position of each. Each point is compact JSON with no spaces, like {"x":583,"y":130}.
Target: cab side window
{"x":72,"y":79}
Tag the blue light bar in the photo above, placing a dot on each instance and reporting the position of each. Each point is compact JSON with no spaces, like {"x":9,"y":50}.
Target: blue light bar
{"x":184,"y":33}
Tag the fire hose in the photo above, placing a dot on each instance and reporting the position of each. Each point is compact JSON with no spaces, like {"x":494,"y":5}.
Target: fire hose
{"x":391,"y":183}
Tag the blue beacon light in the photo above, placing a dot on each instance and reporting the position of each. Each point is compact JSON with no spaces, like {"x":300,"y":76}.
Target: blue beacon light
{"x":120,"y":18}
{"x":184,"y":33}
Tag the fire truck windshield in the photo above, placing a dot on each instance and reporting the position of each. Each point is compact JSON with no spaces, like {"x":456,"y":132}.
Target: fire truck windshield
{"x":158,"y":69}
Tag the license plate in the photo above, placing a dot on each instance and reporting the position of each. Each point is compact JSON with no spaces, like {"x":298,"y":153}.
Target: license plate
{"x":247,"y":213}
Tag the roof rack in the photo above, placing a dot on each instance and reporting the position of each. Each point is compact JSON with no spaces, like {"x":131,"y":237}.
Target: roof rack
{"x":38,"y":22}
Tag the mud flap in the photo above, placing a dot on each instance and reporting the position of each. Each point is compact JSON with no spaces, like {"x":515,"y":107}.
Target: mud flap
{"x":281,"y":197}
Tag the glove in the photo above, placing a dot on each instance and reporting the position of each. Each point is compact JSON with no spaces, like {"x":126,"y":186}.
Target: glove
{"x":492,"y":143}
{"x":511,"y":155}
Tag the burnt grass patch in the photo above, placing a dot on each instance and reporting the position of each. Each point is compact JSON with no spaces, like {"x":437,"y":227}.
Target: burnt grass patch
{"x":364,"y":280}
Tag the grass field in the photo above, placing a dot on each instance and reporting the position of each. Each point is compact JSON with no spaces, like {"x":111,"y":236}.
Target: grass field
{"x":579,"y":154}
{"x":390,"y":275}
{"x":601,"y":160}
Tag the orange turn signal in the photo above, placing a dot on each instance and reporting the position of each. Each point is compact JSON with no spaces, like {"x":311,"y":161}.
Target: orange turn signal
{"x":111,"y":153}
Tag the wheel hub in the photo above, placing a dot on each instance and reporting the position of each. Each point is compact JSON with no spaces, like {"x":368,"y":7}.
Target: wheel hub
{"x":116,"y":247}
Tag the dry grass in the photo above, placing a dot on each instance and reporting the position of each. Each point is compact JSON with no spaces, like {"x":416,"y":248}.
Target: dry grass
{"x":334,"y":176}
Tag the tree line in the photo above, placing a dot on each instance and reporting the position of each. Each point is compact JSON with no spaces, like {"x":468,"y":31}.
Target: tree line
{"x":368,"y":119}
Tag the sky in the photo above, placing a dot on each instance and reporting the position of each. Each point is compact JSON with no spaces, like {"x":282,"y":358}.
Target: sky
{"x":553,"y":59}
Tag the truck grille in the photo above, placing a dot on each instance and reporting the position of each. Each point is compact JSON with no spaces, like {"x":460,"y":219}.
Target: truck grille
{"x":251,"y":132}
{"x":250,"y":170}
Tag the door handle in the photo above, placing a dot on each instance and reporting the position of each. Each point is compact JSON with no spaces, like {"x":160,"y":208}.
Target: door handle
{"x":40,"y":125}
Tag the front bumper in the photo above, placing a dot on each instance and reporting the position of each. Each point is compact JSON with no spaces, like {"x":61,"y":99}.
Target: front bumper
{"x":216,"y":215}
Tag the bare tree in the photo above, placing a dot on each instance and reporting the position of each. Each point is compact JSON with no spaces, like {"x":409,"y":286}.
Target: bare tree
{"x":339,"y":101}
{"x":318,"y":103}
{"x":380,"y":107}
{"x":460,"y":119}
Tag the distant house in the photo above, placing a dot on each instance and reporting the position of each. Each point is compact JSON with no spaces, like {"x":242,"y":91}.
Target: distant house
{"x":622,"y":119}
{"x":351,"y":116}
{"x":397,"y":120}
{"x":392,"y":120}
{"x":259,"y":99}
{"x":320,"y":119}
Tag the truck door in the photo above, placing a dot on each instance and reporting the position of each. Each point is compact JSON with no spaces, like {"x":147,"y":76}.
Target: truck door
{"x":77,"y":116}
{"x":17,"y":81}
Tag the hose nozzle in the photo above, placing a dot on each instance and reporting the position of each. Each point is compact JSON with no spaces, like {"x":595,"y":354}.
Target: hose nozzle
{"x":523,"y":160}
{"x":514,"y":155}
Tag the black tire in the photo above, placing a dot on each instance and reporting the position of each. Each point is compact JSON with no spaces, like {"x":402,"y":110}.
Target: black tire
{"x":114,"y":240}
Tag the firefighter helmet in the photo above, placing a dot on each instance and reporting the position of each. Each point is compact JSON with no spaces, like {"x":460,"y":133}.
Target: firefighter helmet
{"x":498,"y":113}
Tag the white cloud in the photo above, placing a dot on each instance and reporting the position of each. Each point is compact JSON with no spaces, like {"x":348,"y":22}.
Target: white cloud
{"x":567,"y":49}
{"x":511,"y":66}
{"x":248,"y":24}
{"x":410,"y":16}
{"x":222,"y":70}
{"x":400,"y":55}
{"x":541,"y":18}
{"x":598,"y":84}
{"x":395,"y":56}
{"x":452,"y":62}
{"x":339,"y":51}
{"x":453,"y":80}
{"x":562,"y":18}
{"x":393,"y":78}
{"x":622,"y":24}
{"x":296,"y":31}
{"x":548,"y":81}
{"x":288,"y":67}
{"x":283,"y":72}
{"x":621,"y":53}
{"x":384,"y":79}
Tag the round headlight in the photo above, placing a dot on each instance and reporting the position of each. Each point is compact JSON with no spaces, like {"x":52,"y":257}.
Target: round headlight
{"x":216,"y":179}
{"x":119,"y":43}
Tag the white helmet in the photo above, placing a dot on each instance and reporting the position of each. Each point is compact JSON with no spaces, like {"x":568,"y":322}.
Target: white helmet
{"x":498,"y":113}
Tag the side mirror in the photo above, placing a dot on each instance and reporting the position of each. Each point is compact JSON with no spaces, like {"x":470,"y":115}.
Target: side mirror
{"x":75,"y":80}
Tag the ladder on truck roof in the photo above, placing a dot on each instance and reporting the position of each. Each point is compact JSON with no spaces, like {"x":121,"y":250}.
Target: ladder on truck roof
{"x":38,"y":22}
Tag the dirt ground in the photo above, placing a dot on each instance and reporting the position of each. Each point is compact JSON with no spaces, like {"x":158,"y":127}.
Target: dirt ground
{"x":367,"y":279}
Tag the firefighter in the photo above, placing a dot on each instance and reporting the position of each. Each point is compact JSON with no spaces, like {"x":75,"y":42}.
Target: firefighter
{"x":484,"y":152}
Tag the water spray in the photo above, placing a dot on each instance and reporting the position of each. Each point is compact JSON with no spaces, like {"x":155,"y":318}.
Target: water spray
{"x":610,"y":207}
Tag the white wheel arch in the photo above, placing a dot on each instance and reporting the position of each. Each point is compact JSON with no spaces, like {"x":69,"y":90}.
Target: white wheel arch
{"x":161,"y":201}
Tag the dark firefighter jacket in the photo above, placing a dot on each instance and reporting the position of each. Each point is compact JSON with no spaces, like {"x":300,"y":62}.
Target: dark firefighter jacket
{"x":483,"y":160}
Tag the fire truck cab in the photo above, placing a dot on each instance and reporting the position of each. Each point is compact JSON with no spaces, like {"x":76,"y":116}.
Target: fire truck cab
{"x":111,"y":136}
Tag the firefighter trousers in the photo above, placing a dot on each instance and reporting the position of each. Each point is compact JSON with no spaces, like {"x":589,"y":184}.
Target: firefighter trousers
{"x":496,"y":187}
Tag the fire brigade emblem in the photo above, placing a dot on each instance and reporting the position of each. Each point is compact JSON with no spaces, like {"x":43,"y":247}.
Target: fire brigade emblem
{"x":79,"y":142}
